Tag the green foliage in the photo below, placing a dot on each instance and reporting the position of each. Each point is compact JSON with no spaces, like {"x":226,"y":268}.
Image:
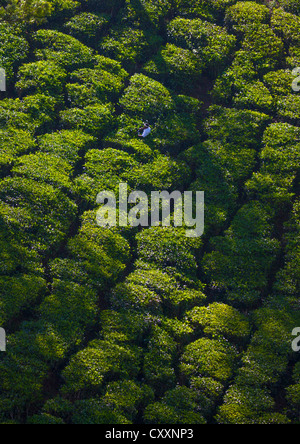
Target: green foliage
{"x":249,"y":400}
{"x":102,"y":253}
{"x":103,"y":83}
{"x":209,"y":392}
{"x":129,"y":46}
{"x":175,"y":117}
{"x":244,"y":405}
{"x":148,"y":14}
{"x":36,"y":213}
{"x":33,"y":113}
{"x":290,"y":6}
{"x":94,"y":411}
{"x":243,"y":257}
{"x":127,"y":326}
{"x":62,"y":49}
{"x":21,"y":364}
{"x":13,"y":49}
{"x":27,"y":12}
{"x":146,"y":325}
{"x":159,"y":361}
{"x":41,"y":77}
{"x":210,"y":42}
{"x":288,"y":108}
{"x":15,"y":257}
{"x":176,"y":67}
{"x":287,"y":280}
{"x":108,"y":6}
{"x":255,"y":96}
{"x":146,"y":98}
{"x":136,"y":297}
{"x":58,"y":407}
{"x":13,"y":144}
{"x":63,"y":9}
{"x":220,"y":320}
{"x":279,"y":82}
{"x":127,"y":397}
{"x":31,"y":12}
{"x":148,"y":289}
{"x":67,"y":312}
{"x":263,"y":47}
{"x":44,"y":419}
{"x":274,"y":182}
{"x":108,"y":168}
{"x":169,"y":248}
{"x":66,"y":144}
{"x":232,"y":82}
{"x":232,"y":126}
{"x":235,"y":135}
{"x":87,"y":26}
{"x":294,"y":57}
{"x":178,"y":406}
{"x":45,"y":168}
{"x":72,"y":305}
{"x":209,"y":358}
{"x":286,"y":25}
{"x":88,"y":369}
{"x":119,"y":405}
{"x":18,"y":293}
{"x":111,"y":66}
{"x":180,"y":330}
{"x":272,"y":339}
{"x":246,"y":13}
{"x":210,"y":177}
{"x":293,"y":398}
{"x":198,"y":8}
{"x":94,"y":119}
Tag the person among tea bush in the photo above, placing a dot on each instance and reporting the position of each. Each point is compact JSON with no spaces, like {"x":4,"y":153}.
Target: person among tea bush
{"x":145,"y":130}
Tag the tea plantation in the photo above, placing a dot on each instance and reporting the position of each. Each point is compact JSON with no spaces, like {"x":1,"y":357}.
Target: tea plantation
{"x":144,"y":325}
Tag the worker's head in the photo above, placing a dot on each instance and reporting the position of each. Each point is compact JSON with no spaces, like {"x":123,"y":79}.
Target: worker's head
{"x":146,"y":124}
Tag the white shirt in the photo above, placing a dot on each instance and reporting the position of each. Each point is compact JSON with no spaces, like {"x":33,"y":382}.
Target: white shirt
{"x":146,"y":132}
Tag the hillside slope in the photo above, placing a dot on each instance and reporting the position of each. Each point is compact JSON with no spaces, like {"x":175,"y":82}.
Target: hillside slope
{"x":145,"y":325}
